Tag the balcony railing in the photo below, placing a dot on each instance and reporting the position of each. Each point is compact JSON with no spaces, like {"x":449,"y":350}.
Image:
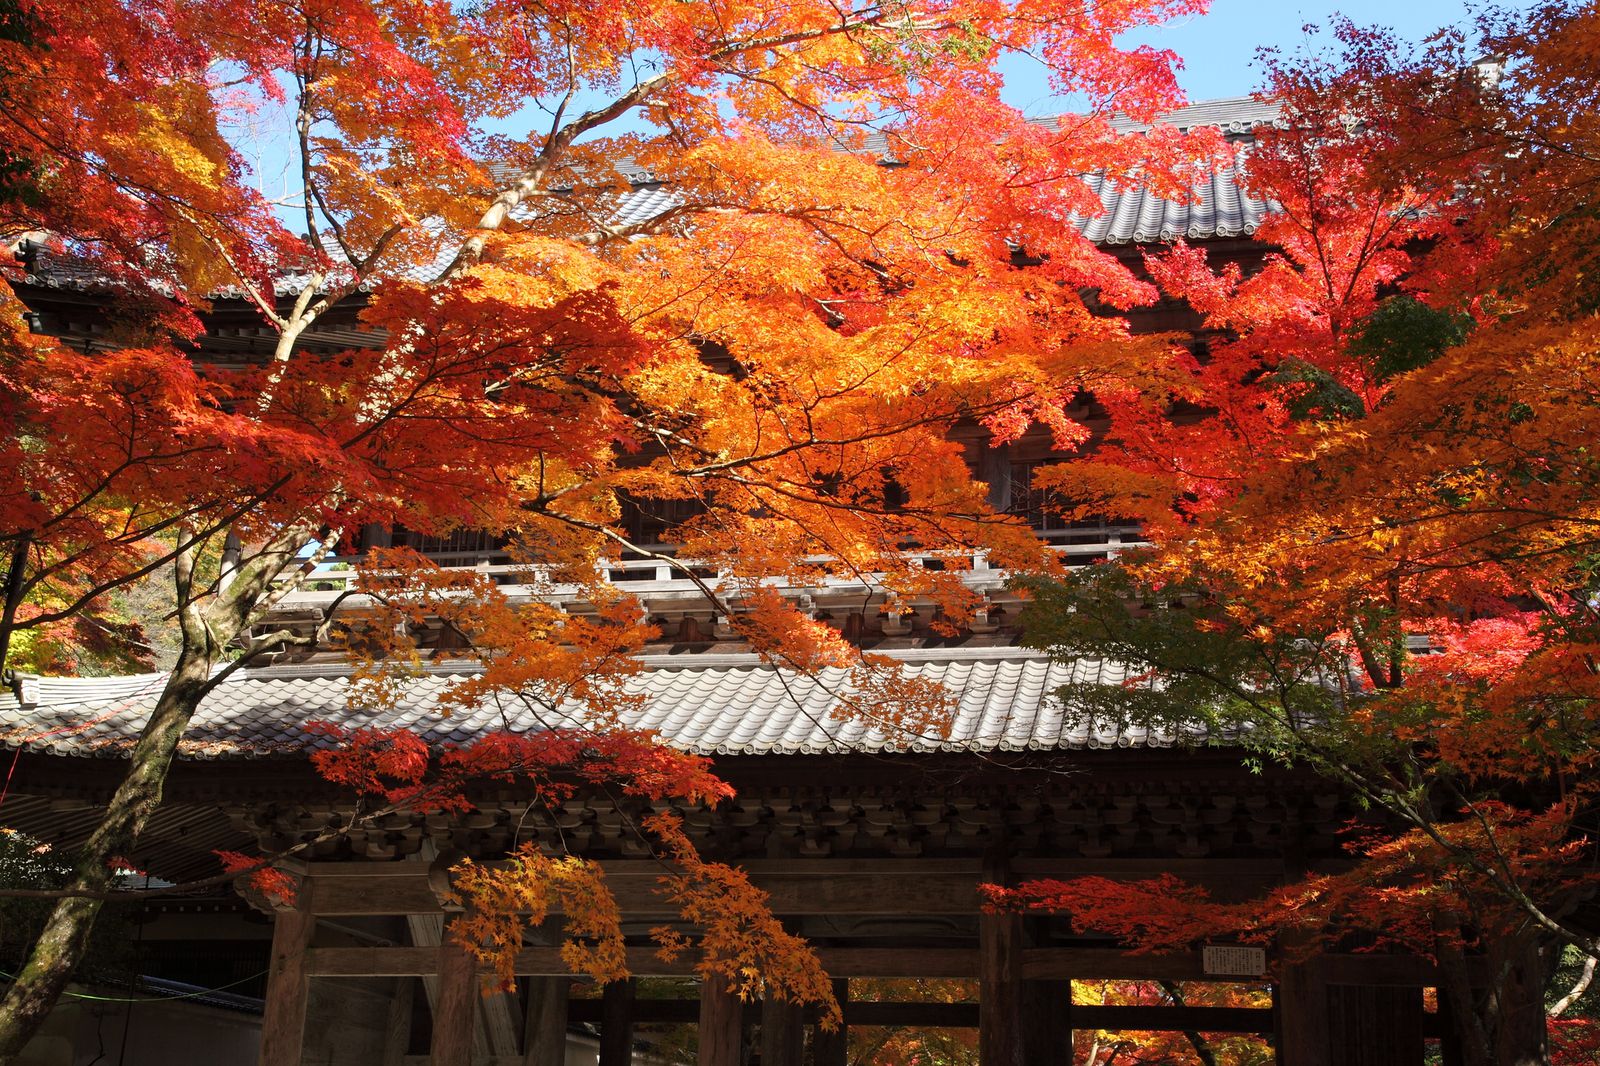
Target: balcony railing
{"x":670,"y":578}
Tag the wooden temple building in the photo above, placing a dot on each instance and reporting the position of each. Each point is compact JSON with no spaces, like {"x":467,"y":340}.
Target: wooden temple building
{"x":871,"y":846}
{"x":874,"y":855}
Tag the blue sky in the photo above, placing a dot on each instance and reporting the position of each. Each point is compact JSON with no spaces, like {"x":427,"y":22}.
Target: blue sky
{"x":1218,"y":51}
{"x":1219,"y":47}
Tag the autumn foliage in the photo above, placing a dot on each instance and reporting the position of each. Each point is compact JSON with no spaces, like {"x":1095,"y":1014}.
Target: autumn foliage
{"x":778,"y":351}
{"x":858,"y":249}
{"x":1373,"y":500}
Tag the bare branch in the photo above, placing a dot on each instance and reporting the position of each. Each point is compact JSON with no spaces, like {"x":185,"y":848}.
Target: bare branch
{"x":1579,"y":987}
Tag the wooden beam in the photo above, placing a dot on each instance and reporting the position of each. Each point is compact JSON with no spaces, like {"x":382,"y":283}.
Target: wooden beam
{"x":1021,"y":869}
{"x":616,"y":1022}
{"x":966,"y":1015}
{"x":899,"y":962}
{"x":647,"y":1011}
{"x":796,"y":887}
{"x":1407,"y":971}
{"x":721,"y":1025}
{"x":638,"y":895}
{"x":455,"y":1008}
{"x":1060,"y":869}
{"x":783,"y":1034}
{"x":644,"y":962}
{"x":544,"y":1039}
{"x":1447,"y":1029}
{"x":1174,"y":1019}
{"x":372,"y":962}
{"x":1109,"y":964}
{"x":1115,"y":964}
{"x":403,"y":893}
{"x":283,"y":1021}
{"x":1037,"y":964}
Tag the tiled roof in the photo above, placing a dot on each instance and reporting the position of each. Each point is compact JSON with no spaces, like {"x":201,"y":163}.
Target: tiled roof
{"x":1137,"y":216}
{"x":1132,"y":215}
{"x":1003,"y":700}
{"x":1230,"y":114}
{"x":643,"y":202}
{"x":49,"y":269}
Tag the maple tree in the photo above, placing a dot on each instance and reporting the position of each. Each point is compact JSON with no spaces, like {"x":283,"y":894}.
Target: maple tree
{"x":1389,"y":447}
{"x":886,"y":1045}
{"x":891,"y":1045}
{"x":781,"y":348}
{"x":1102,"y":1048}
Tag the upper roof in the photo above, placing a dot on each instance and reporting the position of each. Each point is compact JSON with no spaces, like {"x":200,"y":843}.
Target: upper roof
{"x":1002,"y":700}
{"x":1230,"y":114}
{"x":1137,"y":216}
{"x":1132,"y":215}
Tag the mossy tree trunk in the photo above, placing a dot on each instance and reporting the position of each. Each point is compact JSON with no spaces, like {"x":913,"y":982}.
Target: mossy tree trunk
{"x":211,"y":619}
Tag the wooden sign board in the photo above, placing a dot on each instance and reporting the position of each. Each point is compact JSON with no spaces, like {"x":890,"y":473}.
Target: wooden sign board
{"x":1233,"y":960}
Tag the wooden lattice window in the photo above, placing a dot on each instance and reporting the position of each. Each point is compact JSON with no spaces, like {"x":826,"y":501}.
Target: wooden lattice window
{"x":1042,"y":509}
{"x":650,"y":522}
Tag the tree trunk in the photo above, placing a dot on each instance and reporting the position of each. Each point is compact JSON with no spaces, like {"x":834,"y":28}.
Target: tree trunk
{"x":16,"y":579}
{"x":61,"y":945}
{"x":1467,"y":1043}
{"x":1517,"y":1007}
{"x":206,"y":632}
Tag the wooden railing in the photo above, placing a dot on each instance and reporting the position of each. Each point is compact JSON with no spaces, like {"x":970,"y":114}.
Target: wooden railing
{"x":667,"y":577}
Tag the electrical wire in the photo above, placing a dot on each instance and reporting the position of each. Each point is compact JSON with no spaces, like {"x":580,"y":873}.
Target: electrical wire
{"x":154,"y":996}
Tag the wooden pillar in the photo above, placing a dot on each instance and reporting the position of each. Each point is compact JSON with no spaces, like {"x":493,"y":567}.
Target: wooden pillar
{"x":783,"y":1033}
{"x":1451,"y":1052}
{"x":455,"y":1008}
{"x":1000,"y":996}
{"x":1047,"y":1023}
{"x":397,"y":1040}
{"x":544,"y":1038}
{"x":1375,"y":1025}
{"x":616,"y":1023}
{"x":283,"y":1022}
{"x":1301,"y":999}
{"x":1321,"y":1023}
{"x":833,"y":1049}
{"x":721,"y":1024}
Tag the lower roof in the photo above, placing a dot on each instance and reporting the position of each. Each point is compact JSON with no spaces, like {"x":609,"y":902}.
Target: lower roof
{"x":1000,"y":699}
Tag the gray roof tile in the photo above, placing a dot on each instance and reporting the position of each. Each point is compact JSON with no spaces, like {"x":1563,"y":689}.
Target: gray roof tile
{"x":1230,"y":114}
{"x":1131,"y":214}
{"x":1002,"y":699}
